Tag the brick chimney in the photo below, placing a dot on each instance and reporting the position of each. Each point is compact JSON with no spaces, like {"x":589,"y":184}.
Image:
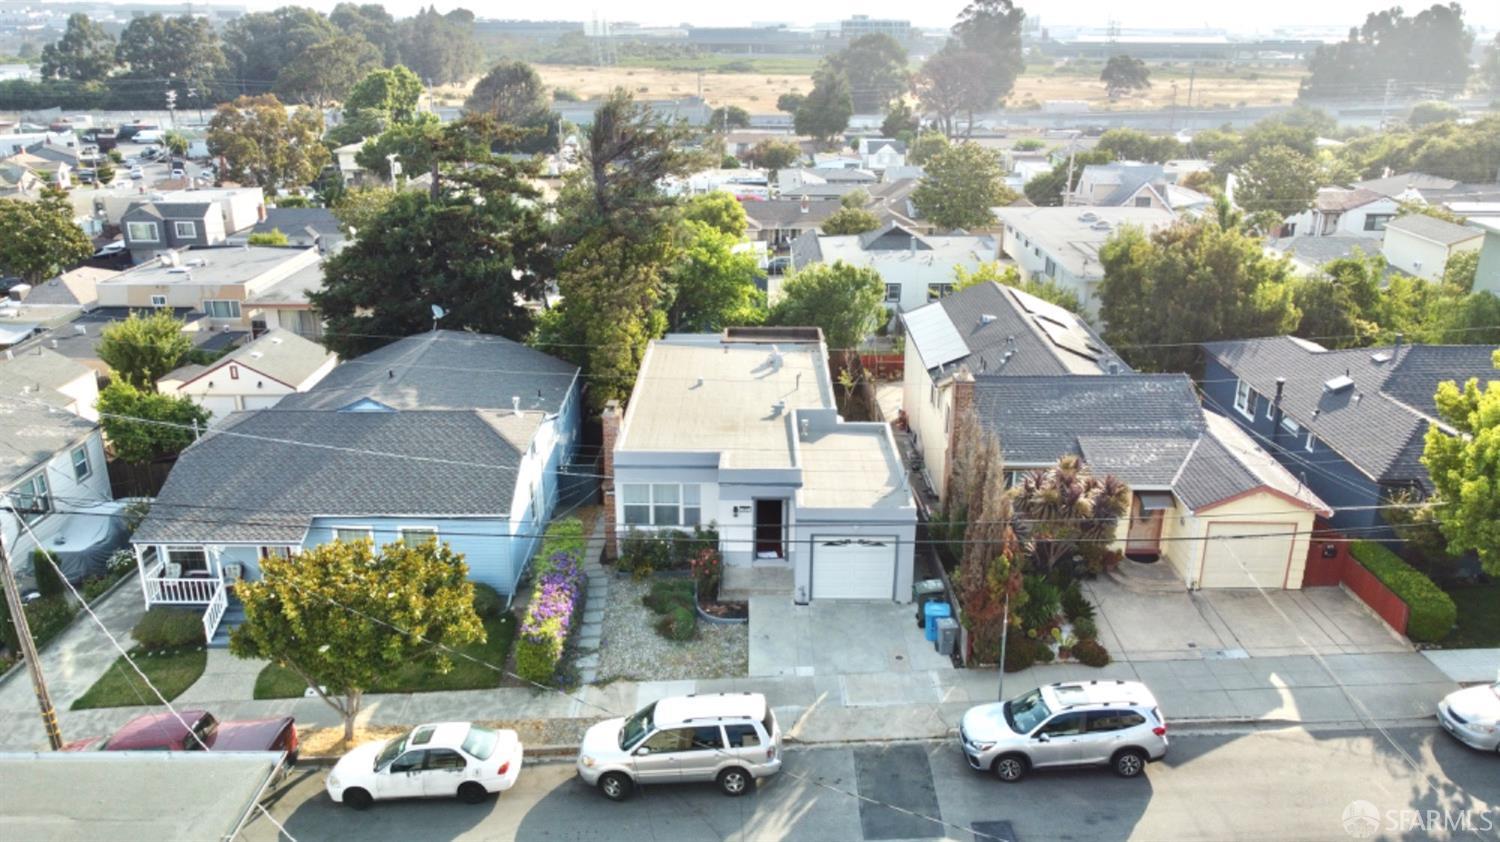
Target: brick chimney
{"x":610,"y":421}
{"x":961,"y":404}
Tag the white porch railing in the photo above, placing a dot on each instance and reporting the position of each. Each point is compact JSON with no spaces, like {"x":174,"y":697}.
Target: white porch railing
{"x":215,"y":612}
{"x":182,"y":591}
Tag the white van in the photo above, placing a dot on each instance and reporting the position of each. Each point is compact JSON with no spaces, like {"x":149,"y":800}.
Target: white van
{"x":148,"y":136}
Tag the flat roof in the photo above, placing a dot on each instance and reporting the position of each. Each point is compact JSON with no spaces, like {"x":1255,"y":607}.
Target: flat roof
{"x":698,"y":393}
{"x":212,"y":266}
{"x":1072,"y":236}
{"x":852,"y":466}
{"x":164,"y":796}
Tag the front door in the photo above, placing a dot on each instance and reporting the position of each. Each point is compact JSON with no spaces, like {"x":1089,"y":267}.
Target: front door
{"x":403,"y":778}
{"x":444,"y":772}
{"x":1057,"y":742}
{"x":1143,"y":538}
{"x":770,"y":529}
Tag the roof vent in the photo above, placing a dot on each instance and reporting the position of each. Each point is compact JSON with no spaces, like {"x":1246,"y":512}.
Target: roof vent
{"x":1338,"y":384}
{"x":255,"y":355}
{"x":987,"y":318}
{"x":1380,"y":357}
{"x":81,"y":330}
{"x":515,"y":404}
{"x":777,"y":408}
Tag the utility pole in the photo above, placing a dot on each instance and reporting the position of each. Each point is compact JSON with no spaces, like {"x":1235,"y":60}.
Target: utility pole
{"x":1004,"y":636}
{"x":1192,"y":77}
{"x":1386,"y":103}
{"x":1068,"y":185}
{"x":28,"y":647}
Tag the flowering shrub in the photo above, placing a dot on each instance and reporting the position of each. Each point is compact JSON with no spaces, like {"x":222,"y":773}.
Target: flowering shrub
{"x":708,"y":572}
{"x":555,"y":600}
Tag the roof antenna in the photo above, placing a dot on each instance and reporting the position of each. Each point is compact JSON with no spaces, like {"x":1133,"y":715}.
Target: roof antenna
{"x":437,"y":314}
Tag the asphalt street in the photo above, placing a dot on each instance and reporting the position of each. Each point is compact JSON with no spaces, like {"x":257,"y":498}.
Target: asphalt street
{"x":1287,"y":784}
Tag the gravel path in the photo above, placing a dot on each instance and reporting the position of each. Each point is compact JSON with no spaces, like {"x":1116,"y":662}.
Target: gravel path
{"x":631,"y":649}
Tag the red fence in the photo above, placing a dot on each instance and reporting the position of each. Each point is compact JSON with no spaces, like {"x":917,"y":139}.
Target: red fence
{"x":884,"y":366}
{"x":1329,"y":563}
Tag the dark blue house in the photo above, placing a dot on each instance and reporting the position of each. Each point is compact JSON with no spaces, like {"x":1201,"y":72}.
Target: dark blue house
{"x":1349,"y":423}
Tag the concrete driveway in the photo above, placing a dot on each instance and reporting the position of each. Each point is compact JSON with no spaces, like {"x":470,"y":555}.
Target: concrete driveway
{"x":1141,"y":626}
{"x":836,"y":637}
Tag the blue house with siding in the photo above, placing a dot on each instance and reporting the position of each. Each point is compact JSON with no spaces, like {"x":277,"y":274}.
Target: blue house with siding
{"x":1349,"y":423}
{"x":452,"y":435}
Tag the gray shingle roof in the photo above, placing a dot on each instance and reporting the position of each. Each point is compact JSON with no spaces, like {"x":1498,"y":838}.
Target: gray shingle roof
{"x":173,"y":210}
{"x":1381,"y":432}
{"x":992,"y":323}
{"x":787,"y":213}
{"x":264,"y":475}
{"x":1430,"y":228}
{"x":30,"y":434}
{"x":1320,"y":250}
{"x":299,"y":221}
{"x":280,"y":354}
{"x":445,"y":370}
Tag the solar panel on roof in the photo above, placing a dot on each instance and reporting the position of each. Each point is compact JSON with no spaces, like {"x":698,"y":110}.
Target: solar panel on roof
{"x":1074,"y":340}
{"x":937,"y":340}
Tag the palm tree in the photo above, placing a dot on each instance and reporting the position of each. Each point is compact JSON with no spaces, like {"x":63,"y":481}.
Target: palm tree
{"x":176,"y":142}
{"x":1065,"y":509}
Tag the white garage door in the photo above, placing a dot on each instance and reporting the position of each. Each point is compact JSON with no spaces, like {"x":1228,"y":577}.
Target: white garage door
{"x":219,"y":405}
{"x":1248,"y":562}
{"x":261,"y":401}
{"x":853,"y":567}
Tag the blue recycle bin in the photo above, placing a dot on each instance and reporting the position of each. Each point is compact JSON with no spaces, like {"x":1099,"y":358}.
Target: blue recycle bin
{"x":931,"y":612}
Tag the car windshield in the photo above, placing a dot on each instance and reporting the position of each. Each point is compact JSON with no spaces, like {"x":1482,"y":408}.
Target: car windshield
{"x":636,"y":727}
{"x":1026,"y":712}
{"x":391,"y":751}
{"x":481,"y":742}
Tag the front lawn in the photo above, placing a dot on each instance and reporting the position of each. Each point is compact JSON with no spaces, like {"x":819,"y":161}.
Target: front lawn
{"x":418,"y":677}
{"x":171,"y":672}
{"x":1478,"y":616}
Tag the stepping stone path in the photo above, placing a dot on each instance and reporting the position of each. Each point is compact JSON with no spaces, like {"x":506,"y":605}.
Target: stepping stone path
{"x":596,"y":595}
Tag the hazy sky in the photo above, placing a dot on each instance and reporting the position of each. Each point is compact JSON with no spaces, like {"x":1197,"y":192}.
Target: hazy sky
{"x":1258,"y":16}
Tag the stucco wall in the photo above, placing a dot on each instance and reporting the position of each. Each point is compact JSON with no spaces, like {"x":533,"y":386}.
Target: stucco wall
{"x":68,"y":494}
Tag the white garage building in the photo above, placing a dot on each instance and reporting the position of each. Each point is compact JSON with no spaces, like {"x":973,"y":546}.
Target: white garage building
{"x":740,"y":431}
{"x":255,"y":375}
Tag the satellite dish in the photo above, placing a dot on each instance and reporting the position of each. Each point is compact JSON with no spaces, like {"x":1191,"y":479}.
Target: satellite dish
{"x":438,"y":312}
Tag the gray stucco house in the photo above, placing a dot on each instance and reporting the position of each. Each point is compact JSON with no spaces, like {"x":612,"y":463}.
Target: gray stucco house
{"x":152,"y":227}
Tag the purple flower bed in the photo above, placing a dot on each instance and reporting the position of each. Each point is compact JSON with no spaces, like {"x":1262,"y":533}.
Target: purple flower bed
{"x":555,"y":599}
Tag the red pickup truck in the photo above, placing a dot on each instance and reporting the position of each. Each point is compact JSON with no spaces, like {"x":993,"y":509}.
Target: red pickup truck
{"x":165,"y":732}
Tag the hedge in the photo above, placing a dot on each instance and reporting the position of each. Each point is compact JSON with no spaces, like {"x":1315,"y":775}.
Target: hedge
{"x":555,"y":599}
{"x":1432,"y":612}
{"x":168,"y":628}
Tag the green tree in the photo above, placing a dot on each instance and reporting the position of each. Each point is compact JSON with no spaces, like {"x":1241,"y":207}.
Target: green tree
{"x":790,"y":103}
{"x":176,"y":142}
{"x":1461,"y":269}
{"x":1429,"y":49}
{"x":395,"y":92}
{"x":273,"y":237}
{"x":993,"y":272}
{"x":878,"y":62}
{"x":826,"y":111}
{"x":711,"y":285}
{"x":180,"y":54}
{"x":1046,"y":190}
{"x":630,"y":151}
{"x":774,"y":155}
{"x":144,"y":425}
{"x":960,"y":187}
{"x":476,"y":260}
{"x":1065,"y":510}
{"x":1278,"y":179}
{"x":990,"y":33}
{"x":845,"y":301}
{"x":1190,"y":283}
{"x":413,"y":143}
{"x":728,"y":117}
{"x":850,"y":221}
{"x":719,"y":210}
{"x":141,"y":349}
{"x":1432,"y":111}
{"x":951,"y":83}
{"x":1339,"y":308}
{"x":926,"y":146}
{"x":1465,"y":468}
{"x":373,"y":23}
{"x":263,"y":146}
{"x":84,"y":53}
{"x":1489,"y":69}
{"x":900,"y":120}
{"x":1124,"y":75}
{"x":1135,"y":145}
{"x":41,"y":240}
{"x":359,"y":207}
{"x":260,"y":45}
{"x":325,"y":72}
{"x":343,"y":616}
{"x":513,"y":94}
{"x":440,"y":48}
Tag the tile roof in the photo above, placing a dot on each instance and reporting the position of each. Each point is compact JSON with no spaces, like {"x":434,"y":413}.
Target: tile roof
{"x":1377,"y":423}
{"x":290,"y":466}
{"x":1431,"y":228}
{"x":445,"y":369}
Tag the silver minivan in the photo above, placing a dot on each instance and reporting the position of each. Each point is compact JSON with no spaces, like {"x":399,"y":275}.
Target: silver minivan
{"x":728,"y":738}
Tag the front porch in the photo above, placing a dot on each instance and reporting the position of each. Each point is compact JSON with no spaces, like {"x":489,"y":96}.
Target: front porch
{"x":195,"y":576}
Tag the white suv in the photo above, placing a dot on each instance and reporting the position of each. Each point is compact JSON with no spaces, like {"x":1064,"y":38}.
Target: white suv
{"x":1084,"y":723}
{"x":731,"y":738}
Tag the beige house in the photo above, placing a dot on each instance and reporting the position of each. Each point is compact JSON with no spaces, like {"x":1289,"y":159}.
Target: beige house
{"x":217,"y":282}
{"x":1421,"y":245}
{"x":255,"y":375}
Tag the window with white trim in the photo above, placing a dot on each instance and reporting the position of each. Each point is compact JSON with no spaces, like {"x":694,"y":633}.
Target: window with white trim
{"x":190,"y":559}
{"x":892,"y":293}
{"x":142,"y":232}
{"x":415,"y":536}
{"x":32,"y":499}
{"x":81,"y":467}
{"x":185,"y":229}
{"x":661,"y":504}
{"x":350,"y":534}
{"x":1290,"y":426}
{"x":222,"y":309}
{"x":1244,"y":399}
{"x":158,"y":301}
{"x":936,"y":291}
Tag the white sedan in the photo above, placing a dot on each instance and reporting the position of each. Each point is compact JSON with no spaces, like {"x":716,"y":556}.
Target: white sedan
{"x":1472,"y":716}
{"x":443,"y":759}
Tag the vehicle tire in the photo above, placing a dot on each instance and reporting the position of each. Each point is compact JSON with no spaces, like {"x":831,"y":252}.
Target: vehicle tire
{"x":358,"y":798}
{"x":735,"y":781}
{"x":615,"y":786}
{"x":1010,"y":767}
{"x":472,"y":793}
{"x":1129,"y":762}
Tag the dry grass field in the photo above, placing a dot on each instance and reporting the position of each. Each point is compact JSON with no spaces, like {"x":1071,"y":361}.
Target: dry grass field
{"x":757,"y":92}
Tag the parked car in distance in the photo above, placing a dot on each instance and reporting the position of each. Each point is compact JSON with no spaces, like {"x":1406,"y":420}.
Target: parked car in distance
{"x":166,"y":732}
{"x":136,"y":173}
{"x":1082,"y":723}
{"x":438,"y":760}
{"x":1472,"y":715}
{"x":178,"y":173}
{"x":728,"y":738}
{"x":111,"y":249}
